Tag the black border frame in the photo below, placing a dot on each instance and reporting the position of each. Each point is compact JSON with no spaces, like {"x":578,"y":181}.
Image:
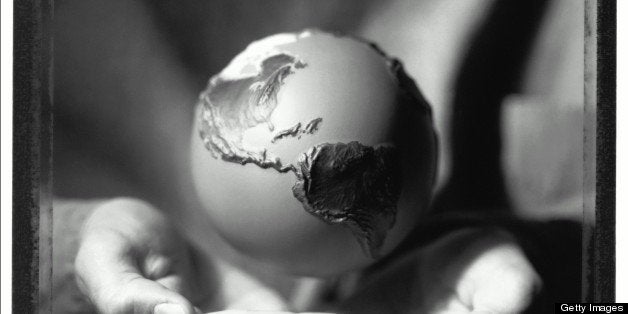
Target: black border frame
{"x":32,"y":148}
{"x":603,"y":254}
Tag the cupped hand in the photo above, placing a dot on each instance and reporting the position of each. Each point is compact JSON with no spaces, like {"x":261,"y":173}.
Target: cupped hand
{"x":467,"y":271}
{"x":131,"y":260}
{"x":478,"y":271}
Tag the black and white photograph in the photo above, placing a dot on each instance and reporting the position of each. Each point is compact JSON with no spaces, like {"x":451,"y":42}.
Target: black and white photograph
{"x":300,"y":156}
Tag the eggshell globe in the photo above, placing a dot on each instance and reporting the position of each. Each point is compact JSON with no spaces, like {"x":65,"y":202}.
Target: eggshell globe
{"x":313,"y":152}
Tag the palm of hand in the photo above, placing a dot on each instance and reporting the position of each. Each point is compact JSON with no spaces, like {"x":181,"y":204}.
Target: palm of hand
{"x":131,"y":260}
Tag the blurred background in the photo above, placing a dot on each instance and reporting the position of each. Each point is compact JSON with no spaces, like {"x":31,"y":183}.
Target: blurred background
{"x":505,"y":80}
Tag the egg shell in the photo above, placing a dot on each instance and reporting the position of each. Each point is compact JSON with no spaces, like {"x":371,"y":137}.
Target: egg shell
{"x":350,"y":86}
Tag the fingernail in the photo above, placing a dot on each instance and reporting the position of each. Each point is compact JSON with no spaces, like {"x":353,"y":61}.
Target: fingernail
{"x":169,"y":308}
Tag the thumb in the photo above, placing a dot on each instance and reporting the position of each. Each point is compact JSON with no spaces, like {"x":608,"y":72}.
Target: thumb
{"x":107,"y":274}
{"x":141,"y":295}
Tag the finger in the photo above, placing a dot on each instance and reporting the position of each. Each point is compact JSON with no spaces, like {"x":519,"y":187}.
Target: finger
{"x":504,"y":282}
{"x":107,"y":272}
{"x":140,"y":295}
{"x":518,"y":292}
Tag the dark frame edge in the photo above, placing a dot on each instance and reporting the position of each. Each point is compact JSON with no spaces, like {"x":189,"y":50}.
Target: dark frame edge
{"x":604,"y":254}
{"x":32,"y":135}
